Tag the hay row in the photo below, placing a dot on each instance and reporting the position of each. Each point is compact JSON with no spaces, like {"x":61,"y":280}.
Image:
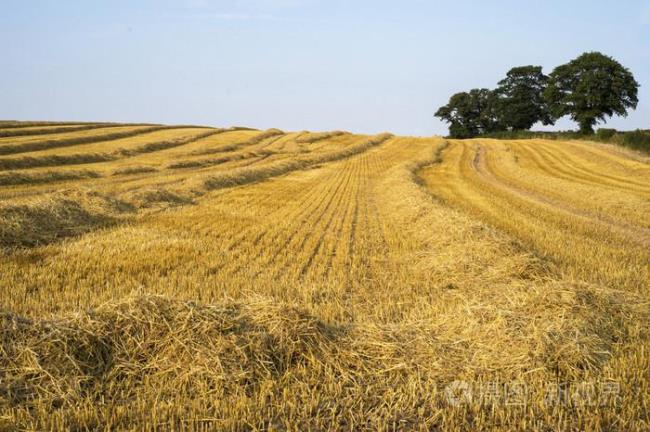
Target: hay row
{"x":239,"y":176}
{"x":58,"y":216}
{"x":17,"y":131}
{"x":15,"y":124}
{"x":87,"y":158}
{"x":22,"y":178}
{"x":256,"y":139}
{"x":53,"y":143}
{"x":312,"y":137}
{"x":340,"y":298}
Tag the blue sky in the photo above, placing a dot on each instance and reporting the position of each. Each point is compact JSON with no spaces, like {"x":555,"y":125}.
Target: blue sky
{"x":364,"y":66}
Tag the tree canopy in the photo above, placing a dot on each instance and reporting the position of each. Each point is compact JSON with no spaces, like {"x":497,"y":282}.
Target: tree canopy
{"x":521,"y":98}
{"x":590,"y":88}
{"x":471,"y":113}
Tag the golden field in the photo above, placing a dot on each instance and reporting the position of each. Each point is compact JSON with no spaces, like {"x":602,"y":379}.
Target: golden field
{"x":190,"y":278}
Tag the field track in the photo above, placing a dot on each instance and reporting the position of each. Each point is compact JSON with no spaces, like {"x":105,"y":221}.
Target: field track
{"x":552,"y":194}
{"x":198,"y":278}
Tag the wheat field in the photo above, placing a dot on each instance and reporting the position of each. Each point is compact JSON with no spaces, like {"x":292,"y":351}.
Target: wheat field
{"x":190,"y":278}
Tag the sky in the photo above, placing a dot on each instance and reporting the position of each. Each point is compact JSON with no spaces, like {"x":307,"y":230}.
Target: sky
{"x":365,"y":66}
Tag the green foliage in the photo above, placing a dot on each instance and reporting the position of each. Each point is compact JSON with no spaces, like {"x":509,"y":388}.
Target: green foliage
{"x":590,"y":88}
{"x":528,"y":134}
{"x":605,"y":133}
{"x":521,"y":101}
{"x":471,"y":113}
{"x":636,"y":140}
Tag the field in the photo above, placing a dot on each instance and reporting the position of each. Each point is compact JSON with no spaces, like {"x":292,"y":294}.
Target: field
{"x":196,"y":278}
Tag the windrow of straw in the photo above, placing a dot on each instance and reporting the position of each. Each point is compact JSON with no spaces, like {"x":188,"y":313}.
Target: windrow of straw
{"x":164,"y":145}
{"x":15,"y":124}
{"x":141,"y":348}
{"x":264,"y":135}
{"x":58,"y":216}
{"x":312,"y":137}
{"x":256,"y":139}
{"x":129,"y":170}
{"x":202,"y":163}
{"x":85,"y":158}
{"x":47,"y":219}
{"x":239,"y":176}
{"x":54,"y":143}
{"x":194,"y":187}
{"x":24,"y":178}
{"x":51,"y":129}
{"x":54,"y":160}
{"x":256,"y":360}
{"x":53,"y":217}
{"x":157,"y":197}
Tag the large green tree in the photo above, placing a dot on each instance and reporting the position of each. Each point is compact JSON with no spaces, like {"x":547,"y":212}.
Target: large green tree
{"x":471,"y":113}
{"x":521,"y":98}
{"x":590,"y":88}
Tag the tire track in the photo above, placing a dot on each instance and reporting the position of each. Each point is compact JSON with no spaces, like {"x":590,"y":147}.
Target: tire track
{"x":557,"y":167}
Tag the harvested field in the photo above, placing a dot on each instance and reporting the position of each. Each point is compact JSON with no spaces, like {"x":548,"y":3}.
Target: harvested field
{"x":267,"y":280}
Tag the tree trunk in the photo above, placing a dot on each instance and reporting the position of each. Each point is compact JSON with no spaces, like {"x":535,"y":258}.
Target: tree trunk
{"x":586,"y":127}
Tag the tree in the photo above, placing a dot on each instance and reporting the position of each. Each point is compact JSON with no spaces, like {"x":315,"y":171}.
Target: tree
{"x":471,"y":113}
{"x":487,"y":103}
{"x":521,"y":98}
{"x":458,"y":113}
{"x":589,"y":88}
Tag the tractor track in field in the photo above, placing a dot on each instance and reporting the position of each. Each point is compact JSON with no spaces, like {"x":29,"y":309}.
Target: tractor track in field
{"x":632,"y":232}
{"x":561,"y":167}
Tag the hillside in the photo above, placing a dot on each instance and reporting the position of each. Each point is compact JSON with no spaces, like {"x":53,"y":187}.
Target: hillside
{"x":181,"y":277}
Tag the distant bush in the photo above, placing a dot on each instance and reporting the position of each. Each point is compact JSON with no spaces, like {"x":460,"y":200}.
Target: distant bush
{"x":638,"y":140}
{"x":533,"y":134}
{"x":605,"y":133}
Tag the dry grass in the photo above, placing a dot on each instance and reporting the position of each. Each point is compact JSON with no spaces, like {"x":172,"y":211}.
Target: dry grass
{"x":13,"y":124}
{"x":151,"y":144}
{"x":13,"y":145}
{"x":67,"y":214}
{"x":206,"y":162}
{"x":247,"y":175}
{"x":550,"y":195}
{"x":104,"y":133}
{"x":54,"y":160}
{"x":23,"y":178}
{"x":129,"y":170}
{"x":251,"y":141}
{"x":309,"y":138}
{"x":338,"y":287}
{"x":52,"y":129}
